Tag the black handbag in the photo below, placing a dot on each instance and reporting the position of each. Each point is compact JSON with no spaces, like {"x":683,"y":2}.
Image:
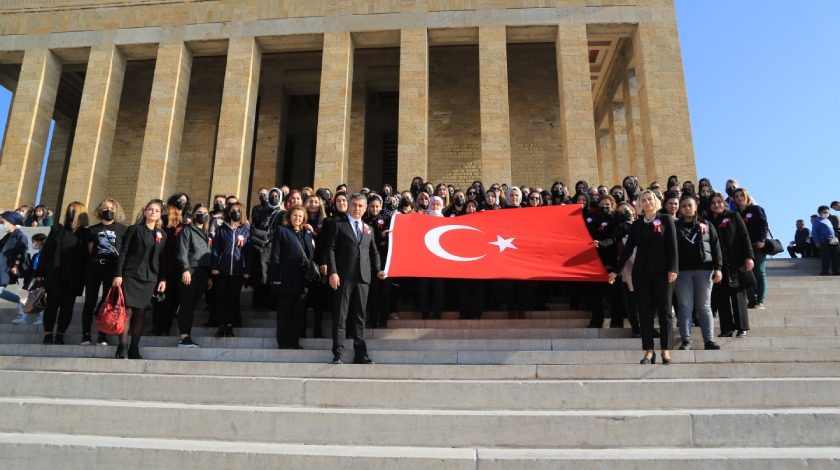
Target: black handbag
{"x":311,"y":273}
{"x":773,"y":246}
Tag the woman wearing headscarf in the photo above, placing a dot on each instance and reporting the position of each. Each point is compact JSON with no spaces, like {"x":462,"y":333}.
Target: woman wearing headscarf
{"x":631,"y":190}
{"x":517,"y":293}
{"x":264,"y":218}
{"x":700,"y":263}
{"x":62,"y":268}
{"x":729,"y":297}
{"x":433,"y":286}
{"x":140,"y":272}
{"x":193,"y":260}
{"x":756,"y":220}
{"x":491,"y":201}
{"x":654,"y":271}
{"x":13,"y":248}
{"x":423,"y":203}
{"x":292,"y":248}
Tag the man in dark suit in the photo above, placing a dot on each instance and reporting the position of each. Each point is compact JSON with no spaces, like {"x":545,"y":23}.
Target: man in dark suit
{"x":351,"y":258}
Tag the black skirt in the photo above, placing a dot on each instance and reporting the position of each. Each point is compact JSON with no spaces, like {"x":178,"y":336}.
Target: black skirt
{"x":138,"y":293}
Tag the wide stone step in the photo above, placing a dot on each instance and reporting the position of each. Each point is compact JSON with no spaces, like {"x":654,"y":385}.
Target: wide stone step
{"x":688,"y":427}
{"x":456,"y":344}
{"x":427,"y":394}
{"x":83,"y":452}
{"x":486,"y":357}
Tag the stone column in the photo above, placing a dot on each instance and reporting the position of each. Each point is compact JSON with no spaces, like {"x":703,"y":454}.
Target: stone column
{"x":165,"y":123}
{"x":495,"y":111}
{"x":618,"y":144}
{"x":90,"y":158}
{"x":633,"y":119}
{"x":267,"y":147}
{"x":356,"y":153}
{"x":333,"y":140}
{"x":577,"y":118}
{"x":232,"y":165}
{"x":662,"y":101}
{"x":413,"y":132}
{"x":28,"y":127}
{"x":605,"y":157}
{"x":55,"y":177}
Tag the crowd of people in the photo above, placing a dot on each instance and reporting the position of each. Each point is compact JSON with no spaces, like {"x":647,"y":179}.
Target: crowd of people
{"x":672,"y":250}
{"x":821,"y":241}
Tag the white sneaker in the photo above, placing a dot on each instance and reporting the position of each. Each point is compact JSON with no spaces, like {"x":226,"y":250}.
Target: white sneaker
{"x":20,"y":320}
{"x":40,"y":320}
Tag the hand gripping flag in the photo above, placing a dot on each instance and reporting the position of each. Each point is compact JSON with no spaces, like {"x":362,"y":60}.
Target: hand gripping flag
{"x":539,"y":243}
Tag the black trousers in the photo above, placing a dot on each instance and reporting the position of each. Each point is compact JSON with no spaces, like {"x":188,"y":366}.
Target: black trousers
{"x":470,"y":297}
{"x":189,"y":297}
{"x":349,"y":308}
{"x":434,"y":287}
{"x":830,"y":258}
{"x":379,"y":302}
{"x":653,"y":297}
{"x":97,"y":276}
{"x":731,"y":306}
{"x":630,"y":308}
{"x":164,"y":313}
{"x":226,"y":290}
{"x":595,"y":293}
{"x":59,"y":308}
{"x":291,"y":319}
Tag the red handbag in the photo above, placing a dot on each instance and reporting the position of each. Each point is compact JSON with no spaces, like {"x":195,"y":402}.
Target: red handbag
{"x":110,"y":317}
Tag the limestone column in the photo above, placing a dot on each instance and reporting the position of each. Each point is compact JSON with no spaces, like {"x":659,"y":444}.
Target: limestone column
{"x":90,"y":158}
{"x":28,"y":127}
{"x":633,"y":119}
{"x":333,"y":140}
{"x":605,"y":157}
{"x":576,"y":111}
{"x":618,"y":144}
{"x":267,"y":147}
{"x":413,"y":132}
{"x":662,"y":101}
{"x":235,"y":138}
{"x":55,"y":177}
{"x":495,"y":110}
{"x":165,"y":123}
{"x":356,"y":153}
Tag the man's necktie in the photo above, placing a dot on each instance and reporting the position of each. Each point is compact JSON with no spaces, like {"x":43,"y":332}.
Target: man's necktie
{"x":358,"y":231}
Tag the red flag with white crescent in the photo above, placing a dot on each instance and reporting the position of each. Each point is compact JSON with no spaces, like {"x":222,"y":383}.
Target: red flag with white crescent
{"x":536,"y":243}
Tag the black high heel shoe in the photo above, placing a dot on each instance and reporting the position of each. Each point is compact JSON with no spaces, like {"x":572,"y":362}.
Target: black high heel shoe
{"x":121,"y":351}
{"x":666,"y":360}
{"x":649,"y":360}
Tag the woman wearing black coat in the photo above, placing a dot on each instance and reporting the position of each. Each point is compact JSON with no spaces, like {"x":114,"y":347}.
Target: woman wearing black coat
{"x":62,"y":268}
{"x":729,"y":297}
{"x":141,"y":271}
{"x":192,"y":259}
{"x":655,"y":269}
{"x":292,"y":247}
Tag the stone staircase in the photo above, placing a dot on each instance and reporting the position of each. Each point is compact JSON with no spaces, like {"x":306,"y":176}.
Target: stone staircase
{"x":539,"y":393}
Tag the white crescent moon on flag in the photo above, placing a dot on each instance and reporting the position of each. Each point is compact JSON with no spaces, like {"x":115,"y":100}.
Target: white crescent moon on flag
{"x":432,"y":240}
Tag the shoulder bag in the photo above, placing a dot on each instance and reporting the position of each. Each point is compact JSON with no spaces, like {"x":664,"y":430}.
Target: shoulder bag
{"x":110,"y":316}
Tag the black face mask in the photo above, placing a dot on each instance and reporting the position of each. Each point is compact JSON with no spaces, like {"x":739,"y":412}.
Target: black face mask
{"x":274,"y":200}
{"x":235,"y":216}
{"x":625,"y":216}
{"x":459,"y":201}
{"x":730,"y":191}
{"x":180,"y":204}
{"x":558,"y":193}
{"x":417,"y":187}
{"x":619,"y":198}
{"x":69,"y":216}
{"x":604,"y":211}
{"x":704,"y":201}
{"x":628,"y":189}
{"x":200,"y":218}
{"x":218,"y":207}
{"x":405,"y":201}
{"x":263,"y":198}
{"x":393,"y":205}
{"x":108,"y":215}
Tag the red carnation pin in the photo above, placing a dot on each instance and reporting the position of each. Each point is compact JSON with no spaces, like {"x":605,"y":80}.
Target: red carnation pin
{"x":657,"y":226}
{"x":704,"y":228}
{"x":158,"y":237}
{"x":240,"y":240}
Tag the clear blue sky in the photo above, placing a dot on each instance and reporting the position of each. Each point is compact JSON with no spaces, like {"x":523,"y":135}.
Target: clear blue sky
{"x":761,"y":95}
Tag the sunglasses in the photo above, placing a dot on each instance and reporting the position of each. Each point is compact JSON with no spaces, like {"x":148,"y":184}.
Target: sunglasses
{"x":471,"y":193}
{"x":534,"y":199}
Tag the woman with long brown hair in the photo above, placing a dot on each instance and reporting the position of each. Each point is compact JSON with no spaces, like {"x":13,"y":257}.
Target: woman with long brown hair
{"x":140,"y":272}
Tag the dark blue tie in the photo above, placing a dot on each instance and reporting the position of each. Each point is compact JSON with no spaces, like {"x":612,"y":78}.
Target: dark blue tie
{"x":358,"y":231}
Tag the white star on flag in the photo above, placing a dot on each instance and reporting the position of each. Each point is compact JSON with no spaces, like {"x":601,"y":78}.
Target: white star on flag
{"x":503,"y":243}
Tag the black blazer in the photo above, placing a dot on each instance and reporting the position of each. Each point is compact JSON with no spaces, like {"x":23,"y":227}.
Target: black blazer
{"x":133,"y":260}
{"x":735,"y":245}
{"x":286,"y":259}
{"x":192,"y":248}
{"x":352,"y":260}
{"x":656,"y":252}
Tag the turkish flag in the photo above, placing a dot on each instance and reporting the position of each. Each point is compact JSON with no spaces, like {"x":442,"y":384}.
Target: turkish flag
{"x":538,"y":243}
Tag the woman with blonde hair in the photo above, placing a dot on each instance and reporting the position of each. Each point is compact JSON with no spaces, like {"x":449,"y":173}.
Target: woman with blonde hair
{"x":757,"y":226}
{"x":141,"y":272}
{"x":62,"y":269}
{"x":103,"y":244}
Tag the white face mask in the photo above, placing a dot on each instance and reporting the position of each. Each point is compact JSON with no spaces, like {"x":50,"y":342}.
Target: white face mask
{"x":824,"y":215}
{"x":436,"y":213}
{"x":4,"y":228}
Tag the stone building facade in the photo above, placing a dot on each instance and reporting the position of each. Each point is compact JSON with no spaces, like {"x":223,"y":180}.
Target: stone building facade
{"x":149,"y":97}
